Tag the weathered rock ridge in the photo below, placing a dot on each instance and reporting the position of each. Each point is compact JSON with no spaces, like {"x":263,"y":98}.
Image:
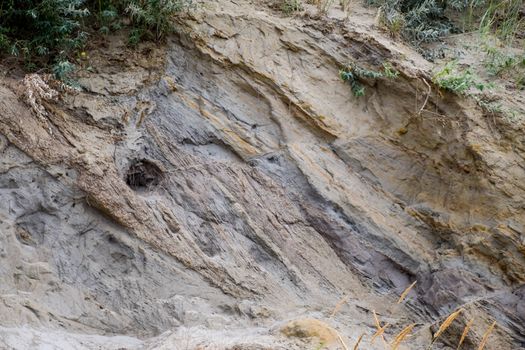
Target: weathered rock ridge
{"x":207,"y":192}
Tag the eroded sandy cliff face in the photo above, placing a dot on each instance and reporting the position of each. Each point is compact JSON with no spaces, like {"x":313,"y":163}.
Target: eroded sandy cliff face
{"x":210,"y":191}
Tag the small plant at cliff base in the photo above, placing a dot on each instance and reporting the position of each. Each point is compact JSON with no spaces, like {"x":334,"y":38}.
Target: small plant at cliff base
{"x":291,"y":6}
{"x":352,"y":73}
{"x":451,"y":79}
{"x":320,"y":346}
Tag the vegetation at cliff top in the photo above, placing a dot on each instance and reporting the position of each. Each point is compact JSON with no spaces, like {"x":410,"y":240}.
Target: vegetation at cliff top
{"x":53,"y":32}
{"x":420,"y":21}
{"x":430,"y":20}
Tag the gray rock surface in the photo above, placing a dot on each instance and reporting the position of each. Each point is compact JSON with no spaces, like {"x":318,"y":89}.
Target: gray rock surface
{"x":204,"y":194}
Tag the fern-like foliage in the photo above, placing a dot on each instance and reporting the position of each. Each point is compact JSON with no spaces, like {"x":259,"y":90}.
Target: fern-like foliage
{"x":47,"y":33}
{"x":153,"y":19}
{"x":38,"y":28}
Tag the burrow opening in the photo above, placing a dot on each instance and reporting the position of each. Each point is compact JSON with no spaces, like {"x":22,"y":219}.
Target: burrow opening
{"x":143,"y":174}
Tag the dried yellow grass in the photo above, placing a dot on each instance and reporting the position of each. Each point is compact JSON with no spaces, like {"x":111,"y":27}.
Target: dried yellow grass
{"x":356,"y":346}
{"x":405,"y":293}
{"x":401,"y":336}
{"x":447,"y":323}
{"x":342,"y":341}
{"x":486,"y":336}
{"x":379,"y":333}
{"x":339,"y":305}
{"x":465,"y":332}
{"x":380,"y":330}
{"x":376,"y":319}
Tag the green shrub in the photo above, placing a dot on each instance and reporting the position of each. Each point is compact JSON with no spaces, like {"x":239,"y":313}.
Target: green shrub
{"x":51,"y":32}
{"x":429,"y":20}
{"x":42,"y":29}
{"x":107,"y":17}
{"x":153,"y":19}
{"x":417,"y":21}
{"x":450,"y":78}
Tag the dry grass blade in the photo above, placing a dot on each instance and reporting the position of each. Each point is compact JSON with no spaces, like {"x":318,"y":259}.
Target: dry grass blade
{"x":380,"y":330}
{"x":339,"y":305}
{"x":486,"y":336}
{"x":376,"y":319}
{"x":465,"y":332}
{"x":426,"y":99}
{"x":402,"y":335}
{"x":356,"y":346}
{"x":447,"y":323}
{"x":405,"y":293}
{"x":379,"y":333}
{"x":342,"y":341}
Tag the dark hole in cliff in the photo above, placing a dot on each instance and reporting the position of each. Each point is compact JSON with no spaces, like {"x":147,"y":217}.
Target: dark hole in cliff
{"x":143,"y":174}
